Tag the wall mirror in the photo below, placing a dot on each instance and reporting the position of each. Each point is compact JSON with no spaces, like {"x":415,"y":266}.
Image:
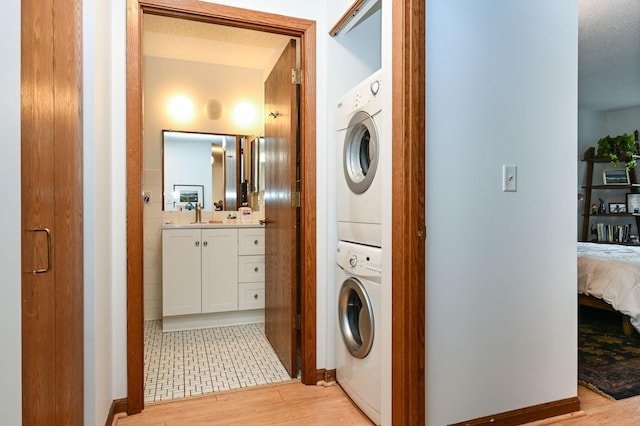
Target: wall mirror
{"x":199,"y":168}
{"x":213,"y":170}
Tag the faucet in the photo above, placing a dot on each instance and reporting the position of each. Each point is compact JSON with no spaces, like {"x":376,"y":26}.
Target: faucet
{"x":198,"y":213}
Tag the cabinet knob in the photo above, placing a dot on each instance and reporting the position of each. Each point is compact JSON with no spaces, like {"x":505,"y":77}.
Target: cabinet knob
{"x":255,"y":269}
{"x":205,"y":243}
{"x":255,"y":296}
{"x":255,"y":242}
{"x":197,"y":243}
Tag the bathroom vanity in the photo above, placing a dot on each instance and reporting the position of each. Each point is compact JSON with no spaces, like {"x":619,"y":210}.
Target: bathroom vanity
{"x":212,"y":275}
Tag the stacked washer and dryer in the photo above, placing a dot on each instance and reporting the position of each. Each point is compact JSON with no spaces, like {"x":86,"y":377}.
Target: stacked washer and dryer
{"x":359,"y":251}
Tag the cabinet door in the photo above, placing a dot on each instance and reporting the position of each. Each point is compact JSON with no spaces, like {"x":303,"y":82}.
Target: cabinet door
{"x":219,"y":270}
{"x":181,"y":273}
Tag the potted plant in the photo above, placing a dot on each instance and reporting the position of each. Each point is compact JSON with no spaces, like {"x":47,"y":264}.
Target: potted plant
{"x":618,"y":148}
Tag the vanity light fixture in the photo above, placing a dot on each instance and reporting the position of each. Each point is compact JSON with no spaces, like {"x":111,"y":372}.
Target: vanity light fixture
{"x":245,"y":114}
{"x":180,"y":108}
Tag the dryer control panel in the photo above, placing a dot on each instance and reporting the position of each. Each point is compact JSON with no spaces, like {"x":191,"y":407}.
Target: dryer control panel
{"x":364,"y":96}
{"x":360,"y":260}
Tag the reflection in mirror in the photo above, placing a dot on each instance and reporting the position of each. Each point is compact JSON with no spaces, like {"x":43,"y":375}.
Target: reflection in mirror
{"x":256,"y":178}
{"x":199,"y":168}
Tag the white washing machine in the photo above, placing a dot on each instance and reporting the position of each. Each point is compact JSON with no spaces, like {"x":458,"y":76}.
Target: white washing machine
{"x":358,"y":357}
{"x":358,"y":182}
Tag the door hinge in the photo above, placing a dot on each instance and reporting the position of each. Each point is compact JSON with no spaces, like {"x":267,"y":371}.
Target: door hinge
{"x":296,"y":76}
{"x":295,"y":199}
{"x":296,"y":322}
{"x":422,"y":232}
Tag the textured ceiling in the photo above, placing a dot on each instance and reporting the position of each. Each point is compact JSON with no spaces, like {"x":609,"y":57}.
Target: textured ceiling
{"x":609,"y":54}
{"x":202,"y":42}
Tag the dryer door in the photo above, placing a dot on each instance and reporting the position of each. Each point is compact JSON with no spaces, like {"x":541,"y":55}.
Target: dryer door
{"x":355,"y":316}
{"x":360,"y":153}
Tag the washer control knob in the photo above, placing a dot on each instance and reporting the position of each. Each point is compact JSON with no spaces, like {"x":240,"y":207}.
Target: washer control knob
{"x":353,"y":261}
{"x":375,"y":87}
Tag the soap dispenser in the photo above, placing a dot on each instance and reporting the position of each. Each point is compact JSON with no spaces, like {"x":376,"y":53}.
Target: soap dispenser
{"x":198,"y":213}
{"x":245,"y":213}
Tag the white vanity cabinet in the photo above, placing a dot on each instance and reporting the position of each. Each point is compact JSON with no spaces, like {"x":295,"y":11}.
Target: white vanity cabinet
{"x":212,"y":276}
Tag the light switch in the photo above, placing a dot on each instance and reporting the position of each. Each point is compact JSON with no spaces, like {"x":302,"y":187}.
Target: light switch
{"x":509,"y":178}
{"x":146,"y":197}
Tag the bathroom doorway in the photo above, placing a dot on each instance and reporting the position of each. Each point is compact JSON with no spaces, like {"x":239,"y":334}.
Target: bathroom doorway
{"x":206,"y":12}
{"x":218,"y":68}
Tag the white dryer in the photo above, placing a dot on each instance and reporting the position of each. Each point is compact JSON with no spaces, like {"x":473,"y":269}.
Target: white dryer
{"x":358,"y":186}
{"x":358,"y":357}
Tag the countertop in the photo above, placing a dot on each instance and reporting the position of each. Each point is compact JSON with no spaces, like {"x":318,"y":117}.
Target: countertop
{"x":207,"y":225}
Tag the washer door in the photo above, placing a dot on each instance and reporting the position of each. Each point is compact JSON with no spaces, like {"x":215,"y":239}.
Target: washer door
{"x":360,"y":153}
{"x":355,"y":316}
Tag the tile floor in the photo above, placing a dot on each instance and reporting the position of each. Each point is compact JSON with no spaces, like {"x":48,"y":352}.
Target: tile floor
{"x":186,"y":363}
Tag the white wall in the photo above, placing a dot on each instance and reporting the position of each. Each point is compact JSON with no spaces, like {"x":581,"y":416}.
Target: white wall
{"x":10,"y":314}
{"x":100,"y":272}
{"x":623,"y":121}
{"x":165,"y":78}
{"x":501,"y":267}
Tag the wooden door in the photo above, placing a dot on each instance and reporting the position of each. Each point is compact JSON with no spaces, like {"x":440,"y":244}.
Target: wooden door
{"x":281,"y":127}
{"x":51,"y":188}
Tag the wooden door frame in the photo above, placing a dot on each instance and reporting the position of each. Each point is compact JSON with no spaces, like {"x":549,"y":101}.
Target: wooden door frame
{"x":408,"y":213}
{"x":305,"y":30}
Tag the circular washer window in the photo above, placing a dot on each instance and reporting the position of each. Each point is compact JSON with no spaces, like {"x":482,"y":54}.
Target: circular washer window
{"x":360,"y":155}
{"x":355,"y":316}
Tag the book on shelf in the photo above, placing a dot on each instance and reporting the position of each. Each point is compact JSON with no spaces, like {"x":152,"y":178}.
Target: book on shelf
{"x":613,"y":233}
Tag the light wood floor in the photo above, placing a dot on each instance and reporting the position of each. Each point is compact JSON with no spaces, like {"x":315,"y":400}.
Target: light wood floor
{"x":598,"y":410}
{"x":289,"y":403}
{"x":292,"y":403}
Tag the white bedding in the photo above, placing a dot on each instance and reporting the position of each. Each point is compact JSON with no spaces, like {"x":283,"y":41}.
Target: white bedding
{"x":611,"y":273}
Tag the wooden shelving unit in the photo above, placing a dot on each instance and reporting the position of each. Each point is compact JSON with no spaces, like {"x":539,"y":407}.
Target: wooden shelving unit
{"x":592,"y":184}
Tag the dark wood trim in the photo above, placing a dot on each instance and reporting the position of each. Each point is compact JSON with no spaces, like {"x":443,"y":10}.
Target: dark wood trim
{"x":324,"y":375}
{"x":242,"y":18}
{"x":134,"y":212}
{"x":117,"y":406}
{"x":527,"y":415}
{"x":330,"y":376}
{"x":308,"y":202}
{"x":408,"y":213}
{"x":345,"y":18}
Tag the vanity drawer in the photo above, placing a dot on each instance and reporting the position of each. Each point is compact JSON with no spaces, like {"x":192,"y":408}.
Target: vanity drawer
{"x":250,"y":269}
{"x":251,"y":296}
{"x":251,"y":241}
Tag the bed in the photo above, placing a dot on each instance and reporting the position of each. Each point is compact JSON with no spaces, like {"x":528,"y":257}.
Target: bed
{"x":609,"y":278}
